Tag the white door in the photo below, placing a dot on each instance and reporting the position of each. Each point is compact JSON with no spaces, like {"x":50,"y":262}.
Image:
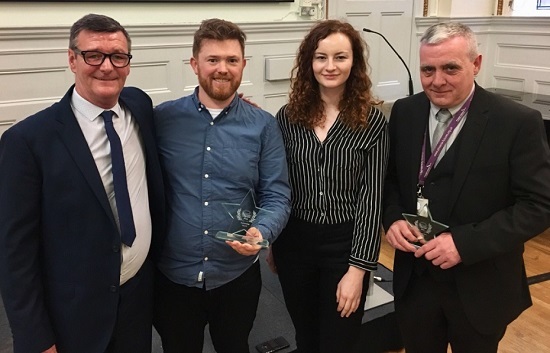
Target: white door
{"x":393,"y":19}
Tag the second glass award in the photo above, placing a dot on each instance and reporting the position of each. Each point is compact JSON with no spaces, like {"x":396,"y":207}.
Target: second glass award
{"x":242,"y":216}
{"x":426,"y":225}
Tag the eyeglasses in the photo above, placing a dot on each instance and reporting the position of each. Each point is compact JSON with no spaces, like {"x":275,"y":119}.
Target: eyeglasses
{"x":96,"y":58}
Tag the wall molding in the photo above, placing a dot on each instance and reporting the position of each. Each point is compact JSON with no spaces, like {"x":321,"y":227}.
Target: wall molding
{"x":500,"y":40}
{"x":33,"y":63}
{"x":33,"y":60}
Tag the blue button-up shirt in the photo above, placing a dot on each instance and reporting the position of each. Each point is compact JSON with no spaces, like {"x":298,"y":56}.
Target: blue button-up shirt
{"x":210,"y":162}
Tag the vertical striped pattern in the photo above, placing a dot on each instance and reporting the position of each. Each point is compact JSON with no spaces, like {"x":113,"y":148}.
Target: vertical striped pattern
{"x":340,"y":179}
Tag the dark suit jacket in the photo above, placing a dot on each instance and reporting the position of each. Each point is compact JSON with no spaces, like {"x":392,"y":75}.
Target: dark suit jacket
{"x":500,"y":198}
{"x":59,"y":243}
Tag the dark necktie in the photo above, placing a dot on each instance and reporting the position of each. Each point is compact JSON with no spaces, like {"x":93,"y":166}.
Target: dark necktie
{"x":443,"y":118}
{"x":125,"y":216}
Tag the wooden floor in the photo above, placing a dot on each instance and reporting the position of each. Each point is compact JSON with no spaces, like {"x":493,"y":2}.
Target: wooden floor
{"x":530,"y":333}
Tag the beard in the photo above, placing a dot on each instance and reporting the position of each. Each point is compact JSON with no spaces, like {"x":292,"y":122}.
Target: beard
{"x":217,"y":92}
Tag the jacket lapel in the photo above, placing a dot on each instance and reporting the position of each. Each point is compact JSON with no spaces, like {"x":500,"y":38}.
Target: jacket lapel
{"x":471,"y":136}
{"x":417,"y":129}
{"x":70,"y":133}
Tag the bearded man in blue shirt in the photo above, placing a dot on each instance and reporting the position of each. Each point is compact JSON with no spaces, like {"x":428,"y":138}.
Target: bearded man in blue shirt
{"x":214,"y":149}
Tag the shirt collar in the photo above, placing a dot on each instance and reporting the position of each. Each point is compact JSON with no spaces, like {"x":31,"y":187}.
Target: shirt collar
{"x":89,"y":110}
{"x":201,"y":106}
{"x":434,"y":108}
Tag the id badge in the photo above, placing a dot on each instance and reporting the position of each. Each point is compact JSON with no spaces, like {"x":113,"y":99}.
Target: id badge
{"x":422,"y":207}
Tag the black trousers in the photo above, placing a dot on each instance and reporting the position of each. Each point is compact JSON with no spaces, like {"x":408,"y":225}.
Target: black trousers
{"x":134,"y":325}
{"x":182,"y":312}
{"x":430,"y":316}
{"x":311,"y":260}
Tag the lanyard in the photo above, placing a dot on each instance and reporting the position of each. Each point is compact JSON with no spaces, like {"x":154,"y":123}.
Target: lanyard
{"x":425,"y":168}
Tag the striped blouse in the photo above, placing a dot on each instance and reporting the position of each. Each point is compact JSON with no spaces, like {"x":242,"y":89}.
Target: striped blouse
{"x":340,"y":179}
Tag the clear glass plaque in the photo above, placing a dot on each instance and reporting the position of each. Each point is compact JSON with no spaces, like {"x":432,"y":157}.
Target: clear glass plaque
{"x":426,"y":225}
{"x":242,"y":216}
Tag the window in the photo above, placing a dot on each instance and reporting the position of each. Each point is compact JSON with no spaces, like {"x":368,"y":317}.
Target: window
{"x":527,"y":7}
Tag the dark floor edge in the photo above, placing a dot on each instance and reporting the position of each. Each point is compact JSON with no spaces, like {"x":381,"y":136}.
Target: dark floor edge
{"x":538,"y":278}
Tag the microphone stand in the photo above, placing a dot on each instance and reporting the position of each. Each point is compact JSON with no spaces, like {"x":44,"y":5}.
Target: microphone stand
{"x":411,"y":90}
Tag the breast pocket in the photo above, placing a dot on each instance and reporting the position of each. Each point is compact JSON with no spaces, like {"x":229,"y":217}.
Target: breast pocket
{"x":351,"y":161}
{"x":240,"y":161}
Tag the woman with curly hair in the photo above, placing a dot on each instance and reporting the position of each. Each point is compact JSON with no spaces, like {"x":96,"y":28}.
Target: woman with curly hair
{"x":337,"y":150}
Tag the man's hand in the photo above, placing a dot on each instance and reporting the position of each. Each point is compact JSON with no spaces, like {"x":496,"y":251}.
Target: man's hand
{"x":401,"y":234}
{"x":241,"y":96}
{"x":271,"y":261}
{"x":441,"y":251}
{"x":52,"y":349}
{"x":348,"y":292}
{"x":245,"y":248}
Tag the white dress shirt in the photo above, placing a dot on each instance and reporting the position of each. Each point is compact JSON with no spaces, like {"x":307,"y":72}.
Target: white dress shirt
{"x":93,"y":128}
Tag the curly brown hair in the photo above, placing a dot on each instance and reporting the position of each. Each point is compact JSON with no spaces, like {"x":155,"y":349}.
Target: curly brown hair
{"x":305,"y":106}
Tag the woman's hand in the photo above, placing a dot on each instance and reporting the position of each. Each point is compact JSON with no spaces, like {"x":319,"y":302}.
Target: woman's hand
{"x":348,"y":292}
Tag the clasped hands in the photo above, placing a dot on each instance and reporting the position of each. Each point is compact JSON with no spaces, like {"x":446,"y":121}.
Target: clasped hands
{"x":441,"y":250}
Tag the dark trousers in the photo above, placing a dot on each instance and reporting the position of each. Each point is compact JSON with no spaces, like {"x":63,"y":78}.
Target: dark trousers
{"x":182,"y":312}
{"x":430,"y":316}
{"x":311,"y":260}
{"x":134,"y":325}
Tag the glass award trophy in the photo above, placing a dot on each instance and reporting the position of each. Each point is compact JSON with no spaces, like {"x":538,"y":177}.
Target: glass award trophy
{"x":426,"y":225}
{"x":242,"y":216}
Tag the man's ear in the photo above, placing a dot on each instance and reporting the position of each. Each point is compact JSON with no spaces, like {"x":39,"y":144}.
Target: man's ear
{"x":72,"y":60}
{"x":194,"y":64}
{"x":477,"y":64}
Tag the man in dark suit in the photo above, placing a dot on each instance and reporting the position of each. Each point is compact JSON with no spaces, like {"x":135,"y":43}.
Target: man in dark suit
{"x":74,"y":272}
{"x":487,"y":180}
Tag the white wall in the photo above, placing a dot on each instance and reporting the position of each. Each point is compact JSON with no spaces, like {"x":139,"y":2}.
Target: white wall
{"x":61,"y":13}
{"x":515,"y":51}
{"x":34,"y":71}
{"x":34,"y":39}
{"x":523,"y":8}
{"x":457,"y":8}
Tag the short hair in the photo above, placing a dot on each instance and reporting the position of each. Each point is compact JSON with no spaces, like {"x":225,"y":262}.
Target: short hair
{"x":217,"y":29}
{"x":96,"y":23}
{"x":441,"y":32}
{"x":305,"y":106}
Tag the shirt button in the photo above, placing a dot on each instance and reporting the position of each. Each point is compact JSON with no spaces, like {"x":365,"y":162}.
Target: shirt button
{"x":206,"y":176}
{"x":206,"y":258}
{"x":208,"y":148}
{"x":211,"y":123}
{"x":200,"y":109}
{"x":321,"y":193}
{"x":206,"y":203}
{"x":205,"y":232}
